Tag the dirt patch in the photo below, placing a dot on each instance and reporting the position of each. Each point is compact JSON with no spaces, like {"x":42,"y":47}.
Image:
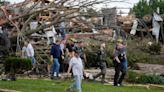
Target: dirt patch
{"x":7,"y":90}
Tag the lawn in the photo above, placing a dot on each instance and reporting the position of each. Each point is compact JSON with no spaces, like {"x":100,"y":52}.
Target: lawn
{"x":40,"y":85}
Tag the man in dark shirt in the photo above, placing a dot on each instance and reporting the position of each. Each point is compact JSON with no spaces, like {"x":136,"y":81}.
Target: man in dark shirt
{"x":102,"y":63}
{"x":70,"y":45}
{"x":55,"y":55}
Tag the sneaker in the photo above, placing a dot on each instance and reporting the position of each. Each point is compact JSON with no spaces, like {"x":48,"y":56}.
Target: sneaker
{"x":55,"y":74}
{"x":59,"y":75}
{"x":91,"y":77}
{"x":117,"y":85}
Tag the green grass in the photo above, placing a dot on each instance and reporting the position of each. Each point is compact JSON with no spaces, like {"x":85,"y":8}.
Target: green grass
{"x":40,"y":85}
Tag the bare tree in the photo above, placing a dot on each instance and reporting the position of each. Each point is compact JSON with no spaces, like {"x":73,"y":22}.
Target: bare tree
{"x":57,"y":6}
{"x":61,"y":10}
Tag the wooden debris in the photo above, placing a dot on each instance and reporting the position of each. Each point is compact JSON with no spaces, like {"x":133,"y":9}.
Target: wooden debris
{"x":159,"y":86}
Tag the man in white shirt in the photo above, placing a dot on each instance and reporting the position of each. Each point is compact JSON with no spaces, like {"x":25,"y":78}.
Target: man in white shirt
{"x":30,"y":54}
{"x":77,"y":68}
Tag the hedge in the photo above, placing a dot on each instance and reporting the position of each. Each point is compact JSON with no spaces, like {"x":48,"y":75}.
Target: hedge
{"x":141,"y":78}
{"x":15,"y":64}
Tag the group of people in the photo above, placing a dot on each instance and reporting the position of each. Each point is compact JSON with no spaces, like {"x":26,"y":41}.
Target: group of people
{"x":76,"y":62}
{"x":119,"y":60}
{"x":73,"y":55}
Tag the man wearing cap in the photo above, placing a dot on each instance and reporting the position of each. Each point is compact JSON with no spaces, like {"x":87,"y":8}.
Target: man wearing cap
{"x":120,"y":62}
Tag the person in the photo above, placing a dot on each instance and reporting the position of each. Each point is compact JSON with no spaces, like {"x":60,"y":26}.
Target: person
{"x":55,"y":55}
{"x":24,"y":50}
{"x":114,"y":36}
{"x":102,"y":63}
{"x":31,"y":53}
{"x":62,"y":30}
{"x":61,"y":59}
{"x":82,"y":53}
{"x":70,"y":46}
{"x":120,"y":62}
{"x":77,"y":68}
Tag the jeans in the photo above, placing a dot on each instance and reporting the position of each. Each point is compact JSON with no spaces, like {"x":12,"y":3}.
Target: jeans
{"x":77,"y":83}
{"x":33,"y":61}
{"x":56,"y":67}
{"x":125,"y":65}
{"x":120,"y":67}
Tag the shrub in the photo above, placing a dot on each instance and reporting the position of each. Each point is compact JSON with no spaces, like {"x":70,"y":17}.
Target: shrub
{"x":155,"y":48}
{"x":132,"y":76}
{"x":143,"y":78}
{"x":153,"y":79}
{"x":135,"y":57}
{"x":15,"y":64}
{"x":92,"y":56}
{"x":156,"y":79}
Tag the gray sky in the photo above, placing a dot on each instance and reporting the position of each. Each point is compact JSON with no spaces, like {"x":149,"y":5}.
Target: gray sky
{"x":108,"y":5}
{"x":127,"y":4}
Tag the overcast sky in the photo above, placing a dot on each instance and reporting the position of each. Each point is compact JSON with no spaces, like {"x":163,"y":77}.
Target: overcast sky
{"x":106,"y":5}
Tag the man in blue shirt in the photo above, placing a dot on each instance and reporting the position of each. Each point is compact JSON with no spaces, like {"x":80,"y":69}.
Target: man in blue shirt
{"x":55,"y":55}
